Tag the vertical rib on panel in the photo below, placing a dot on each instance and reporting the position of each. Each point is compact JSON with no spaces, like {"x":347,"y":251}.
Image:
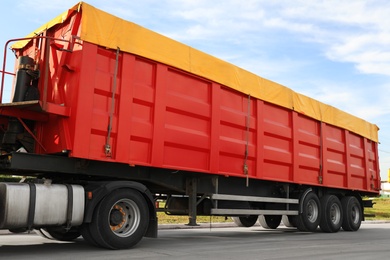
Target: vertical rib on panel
{"x":103,"y":89}
{"x":277,"y":142}
{"x":308,"y":150}
{"x":235,"y":135}
{"x":334,"y":156}
{"x":142,"y":102}
{"x":125,"y":111}
{"x":187,"y":121}
{"x":83,"y":118}
{"x":260,"y":139}
{"x":215,"y":128}
{"x":159,"y":115}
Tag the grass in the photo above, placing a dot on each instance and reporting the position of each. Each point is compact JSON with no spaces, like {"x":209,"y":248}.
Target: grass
{"x":380,"y":211}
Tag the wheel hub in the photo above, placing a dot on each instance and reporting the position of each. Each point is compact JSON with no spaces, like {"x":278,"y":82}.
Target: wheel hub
{"x":335,"y":214}
{"x":124,"y":218}
{"x":117,"y":217}
{"x":312,"y":211}
{"x":355,"y":215}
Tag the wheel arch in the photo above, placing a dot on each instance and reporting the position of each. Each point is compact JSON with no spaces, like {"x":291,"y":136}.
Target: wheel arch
{"x":100,"y":190}
{"x":302,"y":197}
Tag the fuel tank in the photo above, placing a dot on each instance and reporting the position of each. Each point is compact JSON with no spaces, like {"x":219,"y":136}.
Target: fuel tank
{"x":50,"y":205}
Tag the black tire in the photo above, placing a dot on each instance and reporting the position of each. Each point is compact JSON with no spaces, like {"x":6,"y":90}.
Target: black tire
{"x":86,"y":234}
{"x":289,"y":221}
{"x":248,"y":221}
{"x":17,"y":230}
{"x":309,"y":218}
{"x":60,"y":233}
{"x":43,"y":233}
{"x":332,"y":214}
{"x":270,"y":221}
{"x":120,"y":220}
{"x":352,"y":212}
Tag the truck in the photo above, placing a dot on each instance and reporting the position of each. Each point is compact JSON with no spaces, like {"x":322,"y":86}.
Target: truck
{"x":108,"y":119}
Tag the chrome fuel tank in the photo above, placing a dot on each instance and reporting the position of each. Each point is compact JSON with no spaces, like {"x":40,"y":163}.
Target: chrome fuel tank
{"x":50,"y":205}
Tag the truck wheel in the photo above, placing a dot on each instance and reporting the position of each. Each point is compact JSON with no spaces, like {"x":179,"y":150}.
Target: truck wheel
{"x":332,"y":214}
{"x":309,"y":218}
{"x":60,"y":233}
{"x":288,"y":221}
{"x":120,"y":220}
{"x":352,"y":212}
{"x":270,"y":221}
{"x":86,"y":233}
{"x":248,"y":221}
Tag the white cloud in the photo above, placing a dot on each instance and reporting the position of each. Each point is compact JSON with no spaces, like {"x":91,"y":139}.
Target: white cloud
{"x":357,"y":32}
{"x":289,"y":25}
{"x":348,"y":31}
{"x":375,"y":67}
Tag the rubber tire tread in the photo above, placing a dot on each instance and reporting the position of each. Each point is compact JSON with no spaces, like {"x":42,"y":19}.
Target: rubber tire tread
{"x":100,"y":228}
{"x":347,"y":204}
{"x":60,"y":234}
{"x":287,"y":221}
{"x":326,"y":224}
{"x":86,"y":234}
{"x":302,"y":223}
{"x":271,"y":221}
{"x":245,"y":221}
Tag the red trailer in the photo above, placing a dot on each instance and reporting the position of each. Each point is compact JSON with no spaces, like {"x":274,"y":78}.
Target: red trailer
{"x":109,"y":117}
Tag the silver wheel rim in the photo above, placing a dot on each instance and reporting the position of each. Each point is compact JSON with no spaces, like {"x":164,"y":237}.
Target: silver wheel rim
{"x":124,"y":218}
{"x":355,"y":214}
{"x":335,"y":213}
{"x":312,"y":211}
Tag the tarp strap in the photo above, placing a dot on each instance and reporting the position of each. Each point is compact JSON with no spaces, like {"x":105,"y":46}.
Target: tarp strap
{"x":69,"y":212}
{"x":107,"y":147}
{"x":31,"y":209}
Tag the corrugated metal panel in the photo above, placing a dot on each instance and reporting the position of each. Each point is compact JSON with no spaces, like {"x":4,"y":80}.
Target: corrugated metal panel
{"x":170,"y":118}
{"x":103,"y":29}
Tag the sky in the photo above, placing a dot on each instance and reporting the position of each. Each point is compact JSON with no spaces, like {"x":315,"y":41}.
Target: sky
{"x":335,"y":51}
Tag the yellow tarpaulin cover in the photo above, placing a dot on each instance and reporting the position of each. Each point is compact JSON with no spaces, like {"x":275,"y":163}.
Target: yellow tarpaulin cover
{"x":104,"y":29}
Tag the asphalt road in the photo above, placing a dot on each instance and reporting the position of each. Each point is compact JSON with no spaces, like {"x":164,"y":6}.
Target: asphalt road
{"x":372,"y":241}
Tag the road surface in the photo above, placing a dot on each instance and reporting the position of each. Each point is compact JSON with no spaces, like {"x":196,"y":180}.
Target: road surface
{"x":372,"y":241}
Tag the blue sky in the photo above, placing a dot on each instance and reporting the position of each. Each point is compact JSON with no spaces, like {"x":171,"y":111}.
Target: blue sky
{"x":336,"y":51}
